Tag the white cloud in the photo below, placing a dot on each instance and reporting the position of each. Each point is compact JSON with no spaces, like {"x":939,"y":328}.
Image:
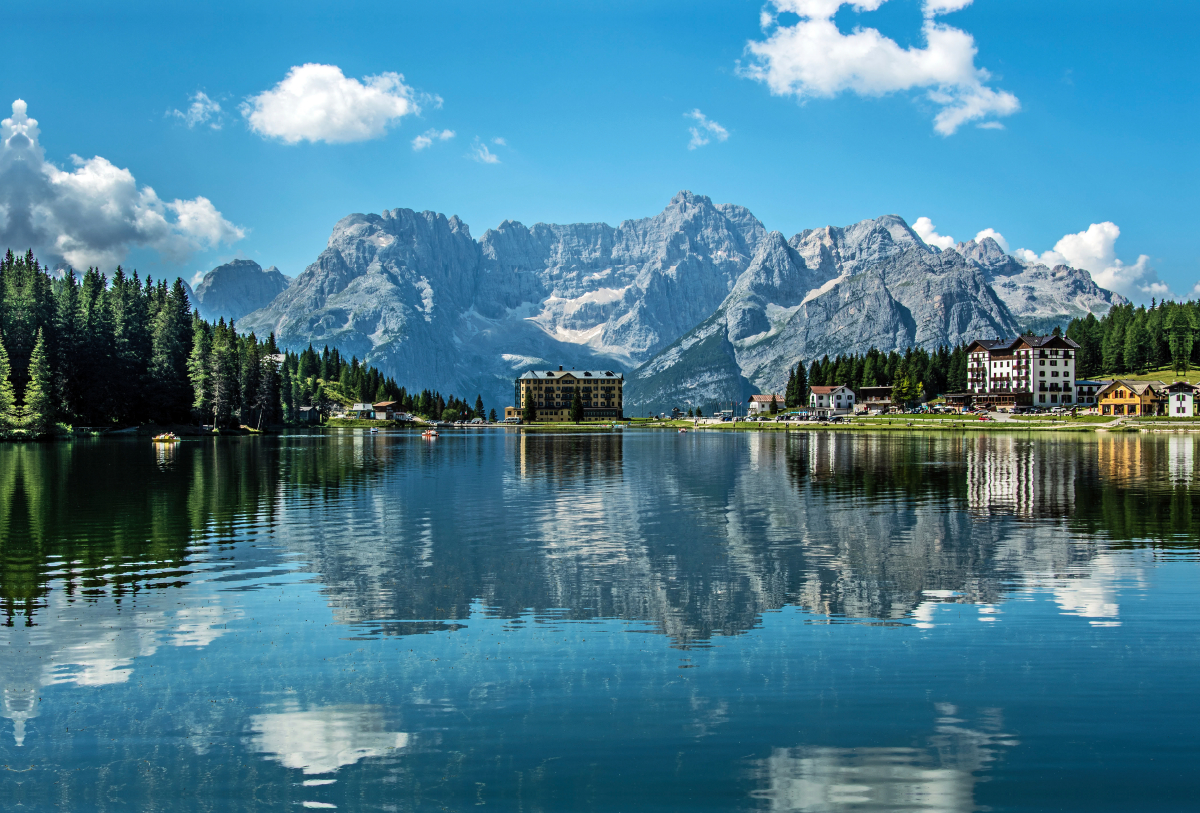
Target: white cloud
{"x":995,"y":235}
{"x":814,"y":59}
{"x":427,"y":138}
{"x":480,"y":152}
{"x":928,"y":232}
{"x":95,"y":213}
{"x":319,"y":103}
{"x":500,"y":142}
{"x":1094,"y":250}
{"x":705,"y":130}
{"x":202,"y":110}
{"x":936,"y":7}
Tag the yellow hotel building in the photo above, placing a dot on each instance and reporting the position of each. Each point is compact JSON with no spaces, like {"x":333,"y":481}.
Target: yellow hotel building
{"x":553,"y":391}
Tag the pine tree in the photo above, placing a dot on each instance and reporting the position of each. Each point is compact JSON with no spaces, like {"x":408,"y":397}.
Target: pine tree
{"x":492,"y":416}
{"x":10,"y":415}
{"x":478,"y":405}
{"x":801,"y":386}
{"x":37,"y":413}
{"x":1181,"y":333}
{"x":200,"y":366}
{"x":577,"y":408}
{"x":529,"y":408}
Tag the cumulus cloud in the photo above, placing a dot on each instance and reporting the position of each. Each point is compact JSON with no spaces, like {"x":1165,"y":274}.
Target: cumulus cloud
{"x":480,"y":152}
{"x":705,"y":130}
{"x":995,"y":235}
{"x":201,"y":111}
{"x":814,"y":59}
{"x":319,"y":103}
{"x":427,"y":138}
{"x":94,"y":213}
{"x":1094,"y":250}
{"x":500,"y":142}
{"x":928,"y":233}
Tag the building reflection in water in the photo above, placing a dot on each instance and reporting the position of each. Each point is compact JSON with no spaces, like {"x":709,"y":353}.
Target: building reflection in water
{"x":939,"y":778}
{"x":1015,"y":475}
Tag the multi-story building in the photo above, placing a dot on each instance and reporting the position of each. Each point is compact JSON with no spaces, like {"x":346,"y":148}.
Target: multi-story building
{"x":826,"y":401}
{"x":1025,"y":371}
{"x":1085,"y":391}
{"x":553,"y":391}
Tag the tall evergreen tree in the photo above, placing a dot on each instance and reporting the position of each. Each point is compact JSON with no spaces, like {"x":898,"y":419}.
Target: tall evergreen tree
{"x":577,"y":408}
{"x":10,"y":415}
{"x":37,"y":413}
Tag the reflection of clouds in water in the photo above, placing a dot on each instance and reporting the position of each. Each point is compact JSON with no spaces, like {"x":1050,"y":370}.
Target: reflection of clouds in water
{"x":1093,"y":595}
{"x":89,"y":643}
{"x":939,"y":778}
{"x":324,"y":739}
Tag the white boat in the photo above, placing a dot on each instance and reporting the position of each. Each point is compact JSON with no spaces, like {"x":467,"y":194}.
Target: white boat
{"x":429,"y":433}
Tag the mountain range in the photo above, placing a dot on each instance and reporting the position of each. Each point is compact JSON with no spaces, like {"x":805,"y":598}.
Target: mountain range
{"x":698,"y":304}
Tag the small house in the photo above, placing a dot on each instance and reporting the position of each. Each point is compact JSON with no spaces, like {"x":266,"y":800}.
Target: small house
{"x":366,"y":411}
{"x":825,"y":401}
{"x":387,"y":411}
{"x":761,"y":404}
{"x":1181,"y":400}
{"x":308,"y":414}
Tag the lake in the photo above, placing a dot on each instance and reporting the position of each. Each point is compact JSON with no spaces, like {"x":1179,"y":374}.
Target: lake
{"x":637,"y":621}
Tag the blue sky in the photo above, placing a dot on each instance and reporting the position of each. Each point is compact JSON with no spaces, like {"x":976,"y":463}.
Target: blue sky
{"x":819,"y":113}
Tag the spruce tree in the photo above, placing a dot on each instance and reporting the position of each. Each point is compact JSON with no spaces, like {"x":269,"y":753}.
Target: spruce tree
{"x":529,"y":408}
{"x":10,"y":416}
{"x":577,"y":408}
{"x":37,"y":413}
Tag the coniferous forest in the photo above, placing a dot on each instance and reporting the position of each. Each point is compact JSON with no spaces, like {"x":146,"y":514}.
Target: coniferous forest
{"x":104,"y":352}
{"x":913,"y":375}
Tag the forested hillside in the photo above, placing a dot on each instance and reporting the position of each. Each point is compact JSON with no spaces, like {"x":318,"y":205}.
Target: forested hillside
{"x":1136,"y":340}
{"x":104,"y":352}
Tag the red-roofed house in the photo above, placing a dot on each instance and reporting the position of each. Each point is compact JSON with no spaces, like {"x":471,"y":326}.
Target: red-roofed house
{"x":833,"y":400}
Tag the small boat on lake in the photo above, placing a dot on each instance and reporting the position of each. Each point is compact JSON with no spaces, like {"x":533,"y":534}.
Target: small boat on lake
{"x":166,"y":437}
{"x":683,"y":431}
{"x":374,"y":430}
{"x":429,"y":433}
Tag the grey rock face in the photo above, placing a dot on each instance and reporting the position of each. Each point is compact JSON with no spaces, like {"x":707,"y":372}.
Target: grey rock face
{"x":232,"y":290}
{"x":1038,"y":296}
{"x":826,"y":291}
{"x":697,"y":304}
{"x":415,"y":295}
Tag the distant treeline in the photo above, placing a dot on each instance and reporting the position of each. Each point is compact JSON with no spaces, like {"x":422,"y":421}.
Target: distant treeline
{"x":1135,"y":340}
{"x":913,"y":375}
{"x":103,"y":352}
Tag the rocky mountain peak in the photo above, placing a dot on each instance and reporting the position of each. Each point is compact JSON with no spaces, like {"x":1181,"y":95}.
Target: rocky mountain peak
{"x":236,"y":288}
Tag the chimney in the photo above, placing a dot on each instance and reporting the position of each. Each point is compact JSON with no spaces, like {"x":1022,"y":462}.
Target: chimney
{"x":560,"y":368}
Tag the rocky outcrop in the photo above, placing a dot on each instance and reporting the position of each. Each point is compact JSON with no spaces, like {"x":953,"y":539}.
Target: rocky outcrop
{"x":232,"y":290}
{"x":1039,"y":297}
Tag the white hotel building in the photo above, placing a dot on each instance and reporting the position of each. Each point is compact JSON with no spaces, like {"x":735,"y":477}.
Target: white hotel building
{"x":1026,"y":371}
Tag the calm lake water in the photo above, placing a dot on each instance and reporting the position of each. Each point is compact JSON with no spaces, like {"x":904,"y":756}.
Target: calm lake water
{"x":638,"y":622}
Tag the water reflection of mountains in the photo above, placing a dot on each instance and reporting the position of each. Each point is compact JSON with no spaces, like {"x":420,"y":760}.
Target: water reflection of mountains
{"x":696,"y":534}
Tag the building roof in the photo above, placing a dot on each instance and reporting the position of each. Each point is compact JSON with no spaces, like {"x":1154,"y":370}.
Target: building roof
{"x":1139,"y":387}
{"x":1092,"y":382}
{"x":827,"y":390}
{"x":994,"y":345}
{"x":385,"y":404}
{"x":765,"y":399}
{"x":1181,"y":386}
{"x":560,"y":373}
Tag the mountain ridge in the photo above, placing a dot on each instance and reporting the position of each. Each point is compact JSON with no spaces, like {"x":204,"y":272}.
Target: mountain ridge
{"x":699,"y":284}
